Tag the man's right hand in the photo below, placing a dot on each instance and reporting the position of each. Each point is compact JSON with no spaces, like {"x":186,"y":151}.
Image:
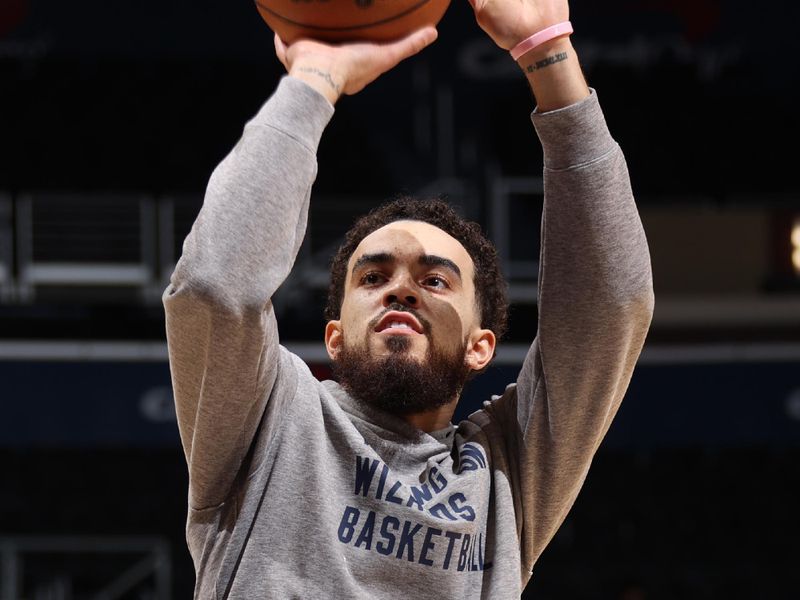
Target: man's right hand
{"x":334,"y":70}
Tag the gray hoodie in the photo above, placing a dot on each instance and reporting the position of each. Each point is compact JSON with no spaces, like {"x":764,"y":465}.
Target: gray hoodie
{"x":298,"y":490}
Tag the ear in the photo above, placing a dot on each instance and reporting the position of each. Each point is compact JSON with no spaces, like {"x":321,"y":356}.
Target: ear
{"x":333,"y":338}
{"x":480,"y":349}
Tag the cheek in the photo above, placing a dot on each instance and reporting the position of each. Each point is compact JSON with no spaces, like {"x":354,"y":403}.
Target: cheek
{"x":452,"y":319}
{"x":350,"y":324}
{"x":355,"y":316}
{"x":468,"y":320}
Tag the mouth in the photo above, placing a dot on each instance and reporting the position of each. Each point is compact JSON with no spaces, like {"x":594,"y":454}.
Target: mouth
{"x":399,"y":323}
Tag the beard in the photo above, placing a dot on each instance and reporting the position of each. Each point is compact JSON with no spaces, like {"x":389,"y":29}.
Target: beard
{"x":399,"y":384}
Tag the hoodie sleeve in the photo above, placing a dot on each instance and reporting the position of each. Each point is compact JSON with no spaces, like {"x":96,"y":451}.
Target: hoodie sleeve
{"x":221,"y":330}
{"x":595,"y":307}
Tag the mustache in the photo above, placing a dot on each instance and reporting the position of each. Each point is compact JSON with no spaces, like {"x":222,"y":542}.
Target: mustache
{"x":396,"y":307}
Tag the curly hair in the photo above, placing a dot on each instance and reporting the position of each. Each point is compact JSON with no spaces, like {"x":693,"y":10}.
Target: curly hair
{"x":490,"y":286}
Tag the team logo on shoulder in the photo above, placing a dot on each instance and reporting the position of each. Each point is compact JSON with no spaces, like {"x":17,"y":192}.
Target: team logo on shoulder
{"x":471,"y":458}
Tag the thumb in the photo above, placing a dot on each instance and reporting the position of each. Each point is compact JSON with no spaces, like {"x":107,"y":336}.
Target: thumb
{"x":410,"y":45}
{"x":280,"y":50}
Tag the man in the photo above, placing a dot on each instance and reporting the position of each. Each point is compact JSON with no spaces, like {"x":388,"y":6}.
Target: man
{"x":362,"y":488}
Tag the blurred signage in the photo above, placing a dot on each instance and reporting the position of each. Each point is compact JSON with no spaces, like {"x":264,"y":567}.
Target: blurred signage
{"x":631,"y":31}
{"x":97,"y":403}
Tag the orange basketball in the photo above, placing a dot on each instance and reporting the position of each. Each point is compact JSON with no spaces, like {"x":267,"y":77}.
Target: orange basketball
{"x":349,"y":20}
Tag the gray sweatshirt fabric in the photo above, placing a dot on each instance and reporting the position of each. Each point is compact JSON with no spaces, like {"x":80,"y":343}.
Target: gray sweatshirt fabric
{"x":298,"y":490}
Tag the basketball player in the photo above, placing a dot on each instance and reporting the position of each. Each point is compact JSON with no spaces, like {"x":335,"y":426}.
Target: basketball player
{"x":362,"y":488}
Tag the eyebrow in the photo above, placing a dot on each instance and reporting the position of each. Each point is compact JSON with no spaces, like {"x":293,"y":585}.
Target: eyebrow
{"x":429,"y":260}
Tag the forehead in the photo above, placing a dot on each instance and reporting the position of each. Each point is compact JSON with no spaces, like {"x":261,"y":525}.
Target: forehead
{"x":411,"y":239}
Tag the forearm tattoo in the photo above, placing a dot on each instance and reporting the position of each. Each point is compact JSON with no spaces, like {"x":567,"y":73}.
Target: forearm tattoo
{"x":546,"y":62}
{"x":324,"y":75}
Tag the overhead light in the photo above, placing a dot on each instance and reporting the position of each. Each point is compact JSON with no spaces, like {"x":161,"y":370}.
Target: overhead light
{"x":795,"y":239}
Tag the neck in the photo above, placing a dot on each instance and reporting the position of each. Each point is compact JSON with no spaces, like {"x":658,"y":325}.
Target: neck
{"x":432,"y":420}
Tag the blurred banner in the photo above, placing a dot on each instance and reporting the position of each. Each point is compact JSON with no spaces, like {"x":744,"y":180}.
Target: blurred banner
{"x":695,"y":92}
{"x":711,"y":403}
{"x":714,"y":36}
{"x":87,"y":403}
{"x":182,"y":28}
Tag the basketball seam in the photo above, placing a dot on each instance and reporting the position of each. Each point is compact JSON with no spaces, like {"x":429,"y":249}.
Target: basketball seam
{"x":348,"y":28}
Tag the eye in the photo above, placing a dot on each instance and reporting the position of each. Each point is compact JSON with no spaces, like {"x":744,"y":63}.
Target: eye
{"x":436,"y":281}
{"x":371,"y":278}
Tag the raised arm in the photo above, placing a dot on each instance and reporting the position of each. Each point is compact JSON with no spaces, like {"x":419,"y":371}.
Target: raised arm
{"x":595,"y":283}
{"x":552,"y":67}
{"x":221,"y":329}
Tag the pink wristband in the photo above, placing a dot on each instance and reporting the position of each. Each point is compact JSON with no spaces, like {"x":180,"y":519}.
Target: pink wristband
{"x":545,"y":35}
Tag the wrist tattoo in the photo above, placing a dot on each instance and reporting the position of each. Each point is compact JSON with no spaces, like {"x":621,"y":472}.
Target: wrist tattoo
{"x":324,"y":75}
{"x":546,"y":62}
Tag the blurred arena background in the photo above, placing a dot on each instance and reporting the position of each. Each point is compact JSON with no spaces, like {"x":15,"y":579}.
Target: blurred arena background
{"x":112,"y":116}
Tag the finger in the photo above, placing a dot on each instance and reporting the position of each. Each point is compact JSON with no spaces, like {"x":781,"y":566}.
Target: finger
{"x":408,"y":46}
{"x":280,"y":50}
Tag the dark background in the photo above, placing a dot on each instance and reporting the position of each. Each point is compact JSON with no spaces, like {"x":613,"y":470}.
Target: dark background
{"x":692,"y":493}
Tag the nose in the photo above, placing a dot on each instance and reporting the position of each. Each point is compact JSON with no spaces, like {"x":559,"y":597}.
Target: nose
{"x":401,"y":292}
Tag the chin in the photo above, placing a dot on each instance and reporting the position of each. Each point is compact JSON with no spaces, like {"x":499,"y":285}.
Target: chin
{"x":402,"y":344}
